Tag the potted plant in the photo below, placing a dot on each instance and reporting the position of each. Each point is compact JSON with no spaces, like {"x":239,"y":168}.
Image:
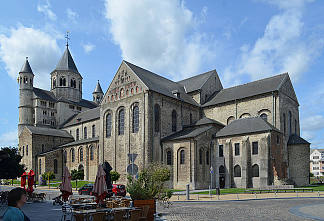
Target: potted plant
{"x":149,"y":187}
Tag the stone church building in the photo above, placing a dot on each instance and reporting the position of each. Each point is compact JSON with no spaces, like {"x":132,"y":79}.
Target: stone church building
{"x":243,"y":136}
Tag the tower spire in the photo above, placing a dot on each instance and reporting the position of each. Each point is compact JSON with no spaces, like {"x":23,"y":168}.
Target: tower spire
{"x":67,"y":39}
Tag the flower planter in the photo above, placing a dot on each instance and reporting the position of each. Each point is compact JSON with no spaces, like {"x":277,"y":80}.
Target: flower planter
{"x":151,"y":204}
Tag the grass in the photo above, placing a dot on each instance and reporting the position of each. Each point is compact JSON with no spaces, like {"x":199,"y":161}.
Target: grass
{"x":223,"y":191}
{"x":56,"y":183}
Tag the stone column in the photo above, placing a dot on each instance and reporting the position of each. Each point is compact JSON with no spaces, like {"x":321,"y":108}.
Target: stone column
{"x":228,"y":157}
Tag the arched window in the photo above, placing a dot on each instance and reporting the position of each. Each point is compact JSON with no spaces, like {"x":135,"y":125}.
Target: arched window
{"x":108,"y":125}
{"x":81,"y":154}
{"x":72,"y":155}
{"x":289,"y":122}
{"x":121,"y":93}
{"x":62,"y":81}
{"x":135,"y":119}
{"x":182,"y":156}
{"x":245,"y":115}
{"x":284,"y":123}
{"x":264,"y":116}
{"x":23,"y":151}
{"x":221,"y":170}
{"x":200,"y":156}
{"x":54,"y":82}
{"x":65,"y":157}
{"x":26,"y":150}
{"x":121,"y":122}
{"x":40,"y":166}
{"x":190,"y":118}
{"x":255,"y":170}
{"x":295,"y":126}
{"x":169,"y":157}
{"x":85,"y":134}
{"x":174,"y":121}
{"x":137,"y":89}
{"x":221,"y":150}
{"x":91,"y":152}
{"x":157,"y":118}
{"x":55,"y":166}
{"x":93,"y":130}
{"x":77,"y":134}
{"x":237,"y":171}
{"x":230,"y":119}
{"x":207,"y":157}
{"x":43,"y":147}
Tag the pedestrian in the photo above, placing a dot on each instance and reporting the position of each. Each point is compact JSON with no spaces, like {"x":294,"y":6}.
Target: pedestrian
{"x":16,"y":199}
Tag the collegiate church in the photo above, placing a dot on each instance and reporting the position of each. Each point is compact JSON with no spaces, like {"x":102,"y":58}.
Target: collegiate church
{"x":243,"y":136}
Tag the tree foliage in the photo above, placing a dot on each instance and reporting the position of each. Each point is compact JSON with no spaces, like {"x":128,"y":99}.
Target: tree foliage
{"x":10,"y":167}
{"x":114,"y":176}
{"x":77,"y":174}
{"x":49,"y":175}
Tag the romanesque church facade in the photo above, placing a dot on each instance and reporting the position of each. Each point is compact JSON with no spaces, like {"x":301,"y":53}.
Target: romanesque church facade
{"x":243,"y":136}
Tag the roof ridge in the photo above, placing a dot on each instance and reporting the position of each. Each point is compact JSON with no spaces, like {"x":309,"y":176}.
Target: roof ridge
{"x":207,"y":72}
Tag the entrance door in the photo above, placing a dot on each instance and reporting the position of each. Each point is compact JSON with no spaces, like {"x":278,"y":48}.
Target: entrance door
{"x":222,"y":182}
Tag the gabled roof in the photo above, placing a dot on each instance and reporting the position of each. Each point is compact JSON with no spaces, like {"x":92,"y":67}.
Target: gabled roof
{"x":294,"y":139}
{"x":160,"y":84}
{"x":26,"y":68}
{"x":188,"y":132}
{"x":98,"y":88}
{"x":246,"y":126}
{"x":66,"y":62}
{"x":197,"y":82}
{"x":82,"y":103}
{"x":48,"y":131}
{"x":262,"y":86}
{"x":44,"y":94}
{"x":83,"y":141}
{"x":84,"y":116}
{"x":206,"y":121}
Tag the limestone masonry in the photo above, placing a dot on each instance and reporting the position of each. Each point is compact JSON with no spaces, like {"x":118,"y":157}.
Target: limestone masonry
{"x":243,"y":136}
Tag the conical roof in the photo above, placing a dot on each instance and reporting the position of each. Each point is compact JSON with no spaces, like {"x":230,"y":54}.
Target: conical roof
{"x":26,"y":67}
{"x":98,"y":88}
{"x":66,"y":63}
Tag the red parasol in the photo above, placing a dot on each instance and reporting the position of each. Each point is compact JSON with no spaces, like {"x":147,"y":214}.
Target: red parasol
{"x":100,"y":186}
{"x":66,"y":187}
{"x":23,"y":180}
{"x":31,"y":176}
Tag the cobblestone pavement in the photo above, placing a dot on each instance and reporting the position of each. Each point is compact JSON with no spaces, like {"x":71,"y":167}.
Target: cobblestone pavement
{"x":277,"y":209}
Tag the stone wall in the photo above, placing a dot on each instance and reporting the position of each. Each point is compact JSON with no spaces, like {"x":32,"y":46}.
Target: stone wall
{"x":299,"y":164}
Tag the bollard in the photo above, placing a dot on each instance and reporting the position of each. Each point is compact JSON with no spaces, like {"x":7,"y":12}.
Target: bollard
{"x":187,"y":192}
{"x":198,"y":196}
{"x":255,"y":195}
{"x":178,"y":197}
{"x":237,"y":196}
{"x":318,"y":194}
{"x":218,"y":197}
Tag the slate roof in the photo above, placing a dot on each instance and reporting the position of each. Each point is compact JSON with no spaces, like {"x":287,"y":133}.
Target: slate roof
{"x":66,"y":62}
{"x":48,"y":131}
{"x":26,"y":68}
{"x":197,"y":82}
{"x":188,"y":132}
{"x":295,"y":139}
{"x":82,"y":103}
{"x":83,"y":141}
{"x":98,"y":88}
{"x":246,"y":126}
{"x":160,"y":84}
{"x":44,"y":94}
{"x":84,"y":116}
{"x":206,"y":120}
{"x":262,"y":86}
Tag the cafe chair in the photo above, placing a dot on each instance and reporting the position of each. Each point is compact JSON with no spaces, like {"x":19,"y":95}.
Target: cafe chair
{"x":119,"y":215}
{"x":135,"y":215}
{"x":100,"y":216}
{"x":80,"y":217}
{"x":144,"y":213}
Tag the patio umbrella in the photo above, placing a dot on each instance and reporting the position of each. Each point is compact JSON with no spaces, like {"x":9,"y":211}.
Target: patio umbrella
{"x":31,"y":176}
{"x":23,"y":180}
{"x":100,"y":186}
{"x":66,"y":187}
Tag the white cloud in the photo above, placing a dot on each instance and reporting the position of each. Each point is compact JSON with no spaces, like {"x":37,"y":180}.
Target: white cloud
{"x":9,"y":139}
{"x":88,"y":47}
{"x":283,"y":46}
{"x":313,"y":123}
{"x":72,"y":15}
{"x":160,"y":35}
{"x":45,"y":8}
{"x":40,"y":47}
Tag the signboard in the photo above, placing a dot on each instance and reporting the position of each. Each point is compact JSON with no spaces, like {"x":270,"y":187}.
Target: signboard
{"x":132,"y":169}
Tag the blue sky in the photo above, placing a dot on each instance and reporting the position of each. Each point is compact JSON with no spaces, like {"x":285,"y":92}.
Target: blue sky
{"x":242,"y":40}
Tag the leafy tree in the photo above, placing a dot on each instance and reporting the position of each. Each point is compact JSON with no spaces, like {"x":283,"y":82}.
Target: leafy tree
{"x":114,"y":176}
{"x":10,"y":167}
{"x":77,"y":174}
{"x":311,"y":175}
{"x":49,"y":175}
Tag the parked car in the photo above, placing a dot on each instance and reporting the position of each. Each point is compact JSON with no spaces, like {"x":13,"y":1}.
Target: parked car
{"x":119,"y":190}
{"x":86,"y":189}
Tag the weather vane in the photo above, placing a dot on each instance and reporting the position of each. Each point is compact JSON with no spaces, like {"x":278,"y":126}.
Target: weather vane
{"x":67,"y":38}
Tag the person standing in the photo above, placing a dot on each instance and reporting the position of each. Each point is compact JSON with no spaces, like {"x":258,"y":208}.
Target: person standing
{"x":16,"y":199}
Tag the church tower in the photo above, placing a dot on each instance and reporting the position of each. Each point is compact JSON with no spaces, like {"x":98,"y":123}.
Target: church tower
{"x":97,"y":94}
{"x":66,"y":81}
{"x":25,"y":81}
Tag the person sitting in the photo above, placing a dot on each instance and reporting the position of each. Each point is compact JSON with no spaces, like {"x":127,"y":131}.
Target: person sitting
{"x":16,"y":199}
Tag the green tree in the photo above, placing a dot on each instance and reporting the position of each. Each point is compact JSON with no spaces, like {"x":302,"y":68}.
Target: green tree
{"x":77,"y":174}
{"x":114,"y":176}
{"x":10,"y":167}
{"x":49,"y":175}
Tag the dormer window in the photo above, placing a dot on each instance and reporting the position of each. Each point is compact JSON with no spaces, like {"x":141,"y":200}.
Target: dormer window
{"x":176,"y":93}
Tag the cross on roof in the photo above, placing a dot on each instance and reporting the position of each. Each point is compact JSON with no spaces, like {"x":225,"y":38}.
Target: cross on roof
{"x":67,"y":38}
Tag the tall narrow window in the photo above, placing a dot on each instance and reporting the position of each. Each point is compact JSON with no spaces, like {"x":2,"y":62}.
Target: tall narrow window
{"x":93,"y":130}
{"x":77,"y":134}
{"x":23,"y":151}
{"x":157,"y":118}
{"x":108,"y":125}
{"x":220,"y":151}
{"x":174,"y":121}
{"x":190,"y":118}
{"x":91,"y":153}
{"x":255,"y":148}
{"x":81,"y":154}
{"x":289,"y":122}
{"x":237,"y":171}
{"x":121,"y":122}
{"x":284,"y":123}
{"x":182,"y":157}
{"x":295,"y":126}
{"x":135,"y":119}
{"x":255,"y":170}
{"x":55,"y":166}
{"x":40,"y":166}
{"x":200,"y":156}
{"x":207,"y":157}
{"x":169,"y":157}
{"x":65,"y":157}
{"x":85,"y":134}
{"x":54,"y":83}
{"x":237,"y":149}
{"x":72,"y":155}
{"x":43,"y":147}
{"x":26,"y":150}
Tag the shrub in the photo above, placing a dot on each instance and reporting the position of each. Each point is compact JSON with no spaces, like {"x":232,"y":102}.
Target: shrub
{"x":49,"y":175}
{"x":114,"y":176}
{"x":77,"y":174}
